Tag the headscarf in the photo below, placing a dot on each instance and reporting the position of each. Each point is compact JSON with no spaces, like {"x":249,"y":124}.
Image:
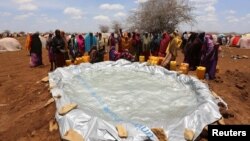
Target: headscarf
{"x":64,"y":39}
{"x":28,"y":42}
{"x":90,"y":41}
{"x":209,"y":41}
{"x":58,"y":33}
{"x":202,"y":36}
{"x":36,"y":44}
{"x":164,"y":44}
{"x":80,"y":42}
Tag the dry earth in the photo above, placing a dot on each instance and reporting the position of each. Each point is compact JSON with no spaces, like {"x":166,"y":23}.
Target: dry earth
{"x":23,"y":116}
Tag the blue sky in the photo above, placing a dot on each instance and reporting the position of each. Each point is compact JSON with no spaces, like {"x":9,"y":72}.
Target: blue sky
{"x":87,"y":15}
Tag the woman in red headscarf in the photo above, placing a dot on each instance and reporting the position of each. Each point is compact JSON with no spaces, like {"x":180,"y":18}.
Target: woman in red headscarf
{"x":81,"y":45}
{"x":163,"y":45}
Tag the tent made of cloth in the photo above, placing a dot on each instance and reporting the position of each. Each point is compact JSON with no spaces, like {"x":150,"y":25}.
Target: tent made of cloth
{"x":246,"y":35}
{"x":235,"y":41}
{"x":9,"y":44}
{"x":245,"y":42}
{"x":43,"y":40}
{"x":221,"y":35}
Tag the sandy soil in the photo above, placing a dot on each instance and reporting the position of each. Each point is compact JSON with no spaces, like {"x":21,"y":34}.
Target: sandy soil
{"x":23,"y":116}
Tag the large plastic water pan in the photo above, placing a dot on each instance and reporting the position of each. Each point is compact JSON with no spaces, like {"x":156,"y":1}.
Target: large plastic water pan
{"x":136,"y":95}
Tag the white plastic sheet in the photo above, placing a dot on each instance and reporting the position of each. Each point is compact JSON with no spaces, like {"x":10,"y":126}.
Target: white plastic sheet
{"x":136,"y":95}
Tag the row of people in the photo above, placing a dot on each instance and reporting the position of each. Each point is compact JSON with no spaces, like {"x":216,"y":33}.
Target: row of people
{"x":199,"y":49}
{"x":132,"y":44}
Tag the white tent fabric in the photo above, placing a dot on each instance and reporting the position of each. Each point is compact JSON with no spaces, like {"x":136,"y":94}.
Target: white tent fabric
{"x":43,"y":40}
{"x":245,"y":42}
{"x":136,"y":95}
{"x":215,"y":38}
{"x":246,"y":35}
{"x":9,"y":44}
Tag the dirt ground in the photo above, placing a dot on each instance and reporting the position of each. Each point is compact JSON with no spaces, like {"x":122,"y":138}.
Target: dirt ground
{"x":23,"y":116}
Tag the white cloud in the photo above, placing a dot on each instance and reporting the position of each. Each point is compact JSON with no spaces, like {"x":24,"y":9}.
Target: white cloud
{"x":23,"y":17}
{"x":245,"y":18}
{"x":230,"y":12}
{"x":248,"y":15}
{"x":102,"y":18}
{"x":5,"y":14}
{"x":232,"y":19}
{"x":46,"y":19}
{"x":205,"y":10}
{"x":210,"y":9}
{"x":134,"y":10}
{"x":206,"y":15}
{"x":140,"y":1}
{"x":203,"y":3}
{"x":28,"y":7}
{"x":74,"y":12}
{"x":108,"y":6}
{"x":23,"y":1}
{"x":120,"y":14}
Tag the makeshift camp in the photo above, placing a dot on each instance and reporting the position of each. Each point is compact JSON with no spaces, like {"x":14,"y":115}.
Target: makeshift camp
{"x":9,"y":44}
{"x":134,"y":95}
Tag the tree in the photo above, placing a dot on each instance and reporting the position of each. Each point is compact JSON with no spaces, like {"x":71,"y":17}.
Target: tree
{"x":104,"y":28}
{"x":116,"y":26}
{"x":7,"y":32}
{"x":160,"y":15}
{"x":22,"y":32}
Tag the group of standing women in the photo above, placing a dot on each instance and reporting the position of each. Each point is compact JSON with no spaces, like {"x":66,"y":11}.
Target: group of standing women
{"x":201,"y":50}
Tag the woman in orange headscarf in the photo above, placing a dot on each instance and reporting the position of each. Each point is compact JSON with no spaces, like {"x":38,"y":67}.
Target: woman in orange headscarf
{"x":28,"y":43}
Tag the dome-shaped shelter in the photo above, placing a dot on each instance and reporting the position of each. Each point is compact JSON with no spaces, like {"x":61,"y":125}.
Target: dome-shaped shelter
{"x":9,"y":44}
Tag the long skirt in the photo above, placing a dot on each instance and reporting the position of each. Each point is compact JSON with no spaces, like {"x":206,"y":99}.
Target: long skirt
{"x":51,"y":56}
{"x":59,"y":60}
{"x":35,"y":59}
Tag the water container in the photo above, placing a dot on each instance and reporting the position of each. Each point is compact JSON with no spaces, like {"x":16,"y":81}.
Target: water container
{"x":86,"y":59}
{"x":172,"y":65}
{"x":185,"y":65}
{"x":106,"y":57}
{"x":68,"y":62}
{"x":156,"y":59}
{"x":200,"y":72}
{"x":79,"y":60}
{"x":184,"y":69}
{"x":141,"y":59}
{"x":160,"y":60}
